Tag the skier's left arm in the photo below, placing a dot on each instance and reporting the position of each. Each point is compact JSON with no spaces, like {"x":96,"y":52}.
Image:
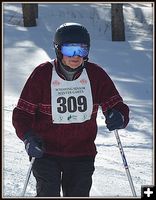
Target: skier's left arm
{"x":116,"y":112}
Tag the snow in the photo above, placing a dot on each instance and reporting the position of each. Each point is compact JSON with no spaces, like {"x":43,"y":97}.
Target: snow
{"x":129,"y":64}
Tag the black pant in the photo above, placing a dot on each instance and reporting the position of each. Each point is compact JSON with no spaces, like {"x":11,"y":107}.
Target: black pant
{"x":75,"y":176}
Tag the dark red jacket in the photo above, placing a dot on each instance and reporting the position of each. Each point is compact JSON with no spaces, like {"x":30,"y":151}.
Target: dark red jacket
{"x":33,"y":111}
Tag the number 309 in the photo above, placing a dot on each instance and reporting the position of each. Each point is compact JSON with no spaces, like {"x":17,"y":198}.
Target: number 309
{"x":72,"y":104}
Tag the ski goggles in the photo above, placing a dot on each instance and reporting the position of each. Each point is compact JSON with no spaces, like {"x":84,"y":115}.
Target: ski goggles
{"x":74,"y":49}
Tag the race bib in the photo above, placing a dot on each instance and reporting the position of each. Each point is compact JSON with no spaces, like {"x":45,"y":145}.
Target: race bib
{"x":71,"y":100}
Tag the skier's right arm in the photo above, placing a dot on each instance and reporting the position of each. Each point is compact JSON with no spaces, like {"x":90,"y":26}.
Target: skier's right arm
{"x":25,"y":111}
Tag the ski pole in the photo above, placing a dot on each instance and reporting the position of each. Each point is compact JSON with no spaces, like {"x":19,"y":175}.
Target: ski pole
{"x":27,"y":177}
{"x":125,"y":163}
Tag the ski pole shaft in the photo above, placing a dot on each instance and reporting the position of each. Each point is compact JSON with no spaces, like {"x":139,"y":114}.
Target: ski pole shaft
{"x":27,"y":177}
{"x":125,"y":163}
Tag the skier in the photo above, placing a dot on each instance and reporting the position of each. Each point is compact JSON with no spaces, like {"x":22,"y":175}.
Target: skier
{"x":56,"y":115}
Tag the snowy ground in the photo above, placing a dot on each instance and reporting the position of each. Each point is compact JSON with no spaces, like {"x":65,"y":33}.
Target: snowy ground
{"x":128,"y":63}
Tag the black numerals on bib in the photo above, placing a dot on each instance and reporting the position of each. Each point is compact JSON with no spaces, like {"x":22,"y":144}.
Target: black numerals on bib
{"x":82,"y":103}
{"x":62,"y":102}
{"x":72,"y":104}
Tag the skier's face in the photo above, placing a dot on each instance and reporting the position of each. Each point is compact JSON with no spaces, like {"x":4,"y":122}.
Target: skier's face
{"x":73,"y":62}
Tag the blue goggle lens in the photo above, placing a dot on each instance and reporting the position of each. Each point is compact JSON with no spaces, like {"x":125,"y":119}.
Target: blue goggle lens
{"x":74,"y":50}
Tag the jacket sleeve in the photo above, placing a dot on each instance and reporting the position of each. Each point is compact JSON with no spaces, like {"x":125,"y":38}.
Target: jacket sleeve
{"x":110,"y":98}
{"x":24,"y":113}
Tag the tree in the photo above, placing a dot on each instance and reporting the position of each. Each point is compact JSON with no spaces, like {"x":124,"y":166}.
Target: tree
{"x":30,"y":13}
{"x":117,"y":21}
{"x":35,"y":9}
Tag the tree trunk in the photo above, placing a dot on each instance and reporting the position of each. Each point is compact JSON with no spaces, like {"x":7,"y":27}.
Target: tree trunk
{"x":35,"y":9}
{"x":118,"y":28}
{"x":29,"y":16}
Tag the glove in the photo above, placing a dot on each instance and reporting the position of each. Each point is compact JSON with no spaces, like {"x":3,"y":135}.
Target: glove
{"x":33,"y":146}
{"x":114,"y":119}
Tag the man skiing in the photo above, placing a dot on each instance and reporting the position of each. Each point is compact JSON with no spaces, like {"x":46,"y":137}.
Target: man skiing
{"x":56,"y":115}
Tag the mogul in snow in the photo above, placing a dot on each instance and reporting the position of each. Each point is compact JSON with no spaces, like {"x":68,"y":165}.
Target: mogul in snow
{"x":56,"y":115}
